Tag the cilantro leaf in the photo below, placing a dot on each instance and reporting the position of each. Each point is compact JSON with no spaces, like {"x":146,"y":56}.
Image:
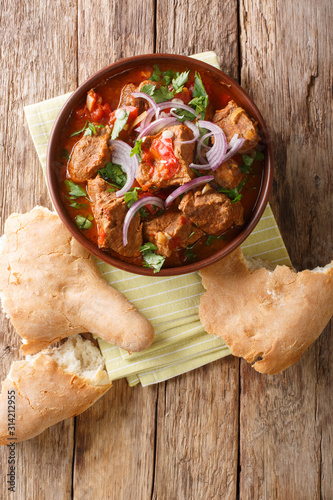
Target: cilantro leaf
{"x":211,"y":237}
{"x":136,"y":150}
{"x":83,"y":222}
{"x":168,"y":76}
{"x":119,"y":125}
{"x":179,"y":82}
{"x":259,"y":155}
{"x":200,"y":96}
{"x":74,"y":189}
{"x":156,"y":76}
{"x":248,"y":160}
{"x":113,"y":173}
{"x":91,"y":129}
{"x":131,"y":196}
{"x":78,"y":205}
{"x":162,"y":94}
{"x":82,"y":130}
{"x":148,"y":89}
{"x":183,"y":114}
{"x":151,"y":259}
{"x":144,"y":212}
{"x":190,"y":256}
{"x":234,"y":194}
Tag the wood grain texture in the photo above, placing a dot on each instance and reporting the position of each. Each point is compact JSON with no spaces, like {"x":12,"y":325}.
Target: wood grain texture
{"x":114,"y":440}
{"x":109,"y":30}
{"x":36,"y":63}
{"x":197,"y":414}
{"x":114,"y":445}
{"x":286,"y":433}
{"x":192,"y":26}
{"x":197,"y":434}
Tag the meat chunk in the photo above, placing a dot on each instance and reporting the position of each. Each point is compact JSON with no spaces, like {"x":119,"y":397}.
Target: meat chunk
{"x":233,"y":120}
{"x":126,"y":99}
{"x":165,"y":160}
{"x":211,"y":211}
{"x":170,"y":231}
{"x":228,"y":175}
{"x":109,"y":212}
{"x":89,"y":155}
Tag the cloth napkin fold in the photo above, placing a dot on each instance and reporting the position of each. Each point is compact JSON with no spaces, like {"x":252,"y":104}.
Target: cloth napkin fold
{"x":170,"y":303}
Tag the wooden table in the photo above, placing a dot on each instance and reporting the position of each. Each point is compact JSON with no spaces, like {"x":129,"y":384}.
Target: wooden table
{"x":223,"y":431}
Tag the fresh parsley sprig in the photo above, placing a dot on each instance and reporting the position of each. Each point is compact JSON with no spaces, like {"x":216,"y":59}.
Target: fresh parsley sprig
{"x":234,"y":194}
{"x":150,"y":258}
{"x":114,"y":173}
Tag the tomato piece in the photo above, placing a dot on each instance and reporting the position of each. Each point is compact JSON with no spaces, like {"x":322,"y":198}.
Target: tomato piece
{"x":106,"y":109}
{"x":97,"y":113}
{"x":185,"y":95}
{"x":133,"y":112}
{"x":80,"y":112}
{"x":101,"y":237}
{"x":162,"y":149}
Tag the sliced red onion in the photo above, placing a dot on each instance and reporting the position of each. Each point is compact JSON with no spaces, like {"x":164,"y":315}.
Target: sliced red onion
{"x":233,"y":139}
{"x":237,"y":145}
{"x":156,"y":126}
{"x":142,"y":95}
{"x":217,"y":152}
{"x":165,"y":105}
{"x":187,"y":187}
{"x":121,"y":155}
{"x":146,"y":200}
{"x":201,"y":144}
{"x":195,"y":130}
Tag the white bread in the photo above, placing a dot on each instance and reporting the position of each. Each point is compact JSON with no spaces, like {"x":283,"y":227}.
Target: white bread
{"x":51,"y":386}
{"x":51,"y":288}
{"x":268,"y":317}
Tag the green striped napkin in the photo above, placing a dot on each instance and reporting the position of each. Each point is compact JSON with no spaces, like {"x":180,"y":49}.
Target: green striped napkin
{"x":170,"y":303}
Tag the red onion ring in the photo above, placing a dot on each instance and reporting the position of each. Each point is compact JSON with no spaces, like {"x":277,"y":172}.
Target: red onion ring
{"x":151,"y":101}
{"x":156,"y":126}
{"x":187,"y":187}
{"x":121,"y":155}
{"x":217,"y":152}
{"x":146,"y":200}
{"x":237,"y":145}
{"x":202,"y":145}
{"x":195,"y":130}
{"x":165,"y":105}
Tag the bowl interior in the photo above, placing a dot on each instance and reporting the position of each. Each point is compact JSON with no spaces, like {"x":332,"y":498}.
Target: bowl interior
{"x":234,"y":90}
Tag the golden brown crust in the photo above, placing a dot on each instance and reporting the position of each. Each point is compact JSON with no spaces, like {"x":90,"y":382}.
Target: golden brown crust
{"x":268,"y":318}
{"x":44,"y":395}
{"x":51,"y":288}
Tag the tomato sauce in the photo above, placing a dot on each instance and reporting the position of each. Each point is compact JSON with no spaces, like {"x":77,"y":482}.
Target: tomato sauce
{"x":100,"y":109}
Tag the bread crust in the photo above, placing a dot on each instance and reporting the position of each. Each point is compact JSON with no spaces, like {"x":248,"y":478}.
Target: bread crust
{"x":44,"y":395}
{"x":267,"y":317}
{"x":51,"y":288}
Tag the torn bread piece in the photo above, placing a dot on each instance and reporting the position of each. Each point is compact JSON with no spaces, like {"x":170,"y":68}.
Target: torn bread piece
{"x":51,"y":386}
{"x":51,"y":288}
{"x":268,"y":317}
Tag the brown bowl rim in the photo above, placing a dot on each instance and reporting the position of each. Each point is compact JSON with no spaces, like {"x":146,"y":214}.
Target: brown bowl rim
{"x":125,"y":65}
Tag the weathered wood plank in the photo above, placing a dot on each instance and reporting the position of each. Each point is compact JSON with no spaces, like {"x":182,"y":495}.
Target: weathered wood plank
{"x":114,"y":445}
{"x":197,"y":434}
{"x":114,"y":440}
{"x":193,"y":26}
{"x":197,"y":419}
{"x":286,"y":432}
{"x":38,"y":42}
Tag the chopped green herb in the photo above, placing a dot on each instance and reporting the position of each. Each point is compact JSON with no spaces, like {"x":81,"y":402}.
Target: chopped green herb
{"x":211,"y":237}
{"x":234,"y":194}
{"x":200,"y":95}
{"x":113,"y":173}
{"x":190,"y":256}
{"x":179,"y":82}
{"x":162,"y":94}
{"x":74,"y":189}
{"x":197,"y":173}
{"x":83,"y":222}
{"x":65,"y":154}
{"x":156,"y":76}
{"x":191,"y":234}
{"x":144,"y":212}
{"x":168,"y":76}
{"x":111,"y":190}
{"x":183,"y":114}
{"x":148,"y":89}
{"x":82,"y":130}
{"x":151,"y":259}
{"x":119,"y":125}
{"x":247,"y":160}
{"x":136,"y":150}
{"x":91,"y":129}
{"x":131,"y":196}
{"x":259,"y":155}
{"x":78,"y":205}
